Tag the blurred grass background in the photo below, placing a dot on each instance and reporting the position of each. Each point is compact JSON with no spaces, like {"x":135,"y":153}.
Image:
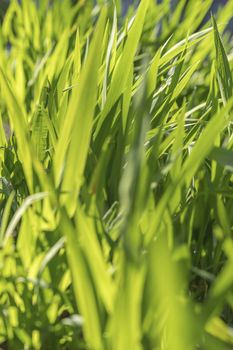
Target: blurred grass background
{"x":117,"y":234}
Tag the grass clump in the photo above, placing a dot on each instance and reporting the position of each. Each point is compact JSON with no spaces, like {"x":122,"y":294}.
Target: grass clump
{"x":116,"y":166}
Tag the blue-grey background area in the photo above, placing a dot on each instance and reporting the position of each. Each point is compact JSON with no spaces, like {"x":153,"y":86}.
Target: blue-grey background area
{"x":216,"y":4}
{"x":214,"y":8}
{"x":126,"y":3}
{"x":3,"y":6}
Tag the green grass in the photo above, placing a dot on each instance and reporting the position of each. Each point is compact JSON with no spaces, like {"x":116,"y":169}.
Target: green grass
{"x":116,"y":161}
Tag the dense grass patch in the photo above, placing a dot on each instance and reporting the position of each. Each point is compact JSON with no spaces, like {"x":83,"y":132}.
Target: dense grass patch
{"x":116,"y":161}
